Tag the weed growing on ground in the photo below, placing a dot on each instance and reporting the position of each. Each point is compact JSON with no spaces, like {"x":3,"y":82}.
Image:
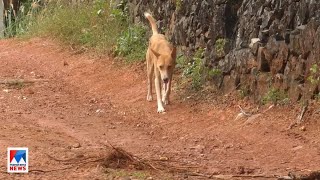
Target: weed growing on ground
{"x":100,"y":25}
{"x":314,"y":76}
{"x":194,"y":69}
{"x":131,"y":44}
{"x":16,"y":84}
{"x":219,"y":46}
{"x":244,"y":92}
{"x":178,"y":4}
{"x":275,"y":96}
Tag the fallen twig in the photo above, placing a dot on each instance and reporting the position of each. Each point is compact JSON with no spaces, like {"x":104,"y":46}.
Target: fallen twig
{"x":243,"y":112}
{"x":14,"y":81}
{"x":300,"y":117}
{"x":270,"y":107}
{"x":132,"y":157}
{"x":303,"y":111}
{"x":77,"y":161}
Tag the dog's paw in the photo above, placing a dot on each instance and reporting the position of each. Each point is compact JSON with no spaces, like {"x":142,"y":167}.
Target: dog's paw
{"x":165,"y":101}
{"x":149,"y":98}
{"x":161,"y":110}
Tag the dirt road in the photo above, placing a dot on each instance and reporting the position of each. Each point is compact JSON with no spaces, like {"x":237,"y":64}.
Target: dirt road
{"x":82,"y":102}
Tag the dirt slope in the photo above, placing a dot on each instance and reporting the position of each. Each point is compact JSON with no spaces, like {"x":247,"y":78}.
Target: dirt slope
{"x":88,"y":101}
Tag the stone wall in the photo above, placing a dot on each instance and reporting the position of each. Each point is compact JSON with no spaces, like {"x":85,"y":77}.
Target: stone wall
{"x":258,"y":44}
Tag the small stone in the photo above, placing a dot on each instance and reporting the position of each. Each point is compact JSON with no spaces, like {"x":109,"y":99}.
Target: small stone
{"x":164,"y":158}
{"x":303,"y":128}
{"x":29,"y":91}
{"x":76,"y":145}
{"x":93,"y":100}
{"x":99,"y":111}
{"x":297,"y":148}
{"x":239,"y":116}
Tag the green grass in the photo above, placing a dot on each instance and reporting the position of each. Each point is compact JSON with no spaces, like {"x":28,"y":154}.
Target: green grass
{"x":132,"y":43}
{"x":275,"y":96}
{"x":178,"y":4}
{"x":194,"y":69}
{"x":243,"y":92}
{"x":97,"y":25}
{"x":91,"y":25}
{"x":314,"y":77}
{"x":15,"y":84}
{"x":220,"y":46}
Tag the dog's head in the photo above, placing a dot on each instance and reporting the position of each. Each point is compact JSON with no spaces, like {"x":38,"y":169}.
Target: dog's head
{"x":165,"y":64}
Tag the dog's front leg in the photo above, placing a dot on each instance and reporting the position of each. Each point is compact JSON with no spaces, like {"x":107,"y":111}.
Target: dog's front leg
{"x":166,"y":93}
{"x":158,"y":92}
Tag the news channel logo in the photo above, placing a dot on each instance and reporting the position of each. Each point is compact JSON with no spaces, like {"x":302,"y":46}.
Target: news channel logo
{"x":18,"y":160}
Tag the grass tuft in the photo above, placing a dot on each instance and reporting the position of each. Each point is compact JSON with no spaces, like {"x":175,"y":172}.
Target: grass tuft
{"x":99,"y":24}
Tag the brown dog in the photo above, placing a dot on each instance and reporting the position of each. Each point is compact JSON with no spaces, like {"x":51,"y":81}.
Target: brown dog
{"x":161,"y":59}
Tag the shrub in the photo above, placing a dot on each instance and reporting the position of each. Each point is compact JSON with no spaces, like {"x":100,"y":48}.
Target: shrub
{"x":97,"y":24}
{"x":220,"y":46}
{"x":314,"y":76}
{"x":275,"y":96}
{"x":91,"y":25}
{"x":195,"y":69}
{"x":131,"y":44}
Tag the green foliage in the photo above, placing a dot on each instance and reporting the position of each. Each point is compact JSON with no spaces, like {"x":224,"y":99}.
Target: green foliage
{"x":178,"y":4}
{"x":214,"y":72}
{"x":120,"y":12}
{"x":195,"y":69}
{"x":15,"y":84}
{"x":219,"y":46}
{"x":10,"y":29}
{"x":97,"y":24}
{"x":317,"y":96}
{"x":275,"y":96}
{"x":243,"y":92}
{"x":91,"y":25}
{"x":131,"y":44}
{"x":314,"y":76}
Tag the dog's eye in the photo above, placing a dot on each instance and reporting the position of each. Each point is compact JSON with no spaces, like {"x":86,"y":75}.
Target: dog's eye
{"x":161,"y":67}
{"x":169,"y":67}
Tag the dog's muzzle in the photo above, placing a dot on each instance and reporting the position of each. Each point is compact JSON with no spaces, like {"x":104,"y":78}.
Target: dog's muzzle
{"x":165,"y":80}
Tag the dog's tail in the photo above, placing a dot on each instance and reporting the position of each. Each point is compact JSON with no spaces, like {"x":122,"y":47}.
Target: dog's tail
{"x":152,"y":23}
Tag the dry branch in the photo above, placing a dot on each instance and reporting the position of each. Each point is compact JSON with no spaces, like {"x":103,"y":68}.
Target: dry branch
{"x":303,"y":111}
{"x":14,"y":81}
{"x":243,"y":112}
{"x":134,"y":159}
{"x":300,"y":116}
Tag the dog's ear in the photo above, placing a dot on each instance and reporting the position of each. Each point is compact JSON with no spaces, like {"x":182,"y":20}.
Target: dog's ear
{"x":155,"y":53}
{"x":174,"y":53}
